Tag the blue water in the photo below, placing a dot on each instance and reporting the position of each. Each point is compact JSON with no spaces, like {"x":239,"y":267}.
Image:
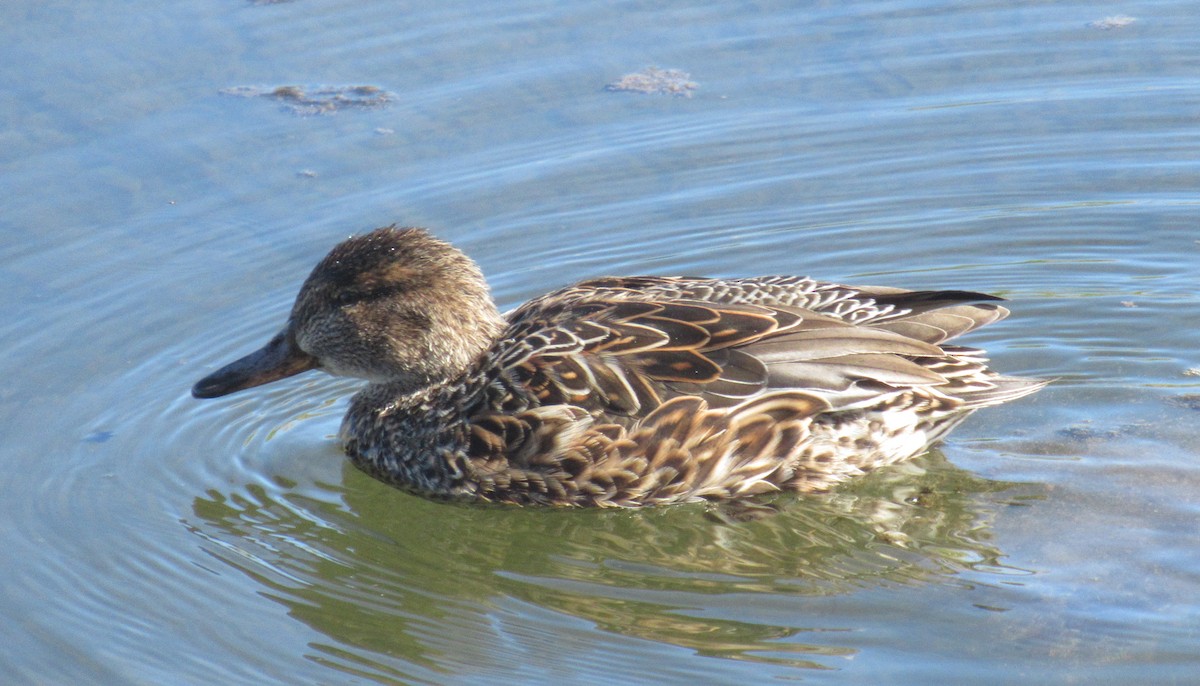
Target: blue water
{"x":156,"y":226}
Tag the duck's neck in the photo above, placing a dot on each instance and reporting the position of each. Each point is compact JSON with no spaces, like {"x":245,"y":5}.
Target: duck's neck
{"x":415,"y":437}
{"x":470,"y":348}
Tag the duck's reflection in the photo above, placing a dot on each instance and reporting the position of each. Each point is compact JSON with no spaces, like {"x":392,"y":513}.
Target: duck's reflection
{"x":393,"y":579}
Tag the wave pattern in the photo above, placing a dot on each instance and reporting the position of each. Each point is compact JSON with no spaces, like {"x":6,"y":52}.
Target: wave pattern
{"x":155,"y":229}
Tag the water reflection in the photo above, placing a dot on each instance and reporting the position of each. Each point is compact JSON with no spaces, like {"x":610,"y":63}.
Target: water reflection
{"x":398,"y":582}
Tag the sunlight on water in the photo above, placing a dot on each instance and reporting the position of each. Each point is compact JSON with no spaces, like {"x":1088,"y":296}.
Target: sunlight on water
{"x":158,"y":226}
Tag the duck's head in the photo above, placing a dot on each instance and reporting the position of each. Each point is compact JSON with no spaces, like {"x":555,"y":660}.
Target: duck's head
{"x":394,"y":305}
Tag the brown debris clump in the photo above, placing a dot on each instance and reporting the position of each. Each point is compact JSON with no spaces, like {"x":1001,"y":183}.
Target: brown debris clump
{"x":319,"y":99}
{"x":655,"y":81}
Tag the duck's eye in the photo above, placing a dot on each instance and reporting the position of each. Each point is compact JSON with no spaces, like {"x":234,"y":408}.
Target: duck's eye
{"x":352,"y":296}
{"x":347,"y":296}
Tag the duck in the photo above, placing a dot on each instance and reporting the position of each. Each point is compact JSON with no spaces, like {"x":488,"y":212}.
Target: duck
{"x":624,"y":391}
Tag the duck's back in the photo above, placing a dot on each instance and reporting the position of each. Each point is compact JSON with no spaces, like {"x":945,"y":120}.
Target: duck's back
{"x":633,"y":391}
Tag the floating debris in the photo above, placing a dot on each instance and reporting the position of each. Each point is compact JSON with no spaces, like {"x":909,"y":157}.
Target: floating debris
{"x":655,"y":81}
{"x":306,"y":100}
{"x":1084,"y":432}
{"x":1192,"y":371}
{"x":1118,"y":21}
{"x":1188,"y":401}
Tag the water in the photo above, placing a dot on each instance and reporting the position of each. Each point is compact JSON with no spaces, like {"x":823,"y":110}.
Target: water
{"x":155,"y":227}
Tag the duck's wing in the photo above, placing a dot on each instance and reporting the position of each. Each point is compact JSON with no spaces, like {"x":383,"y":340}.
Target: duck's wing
{"x":620,"y":354}
{"x":633,"y":342}
{"x":851,"y":304}
{"x":624,"y":357}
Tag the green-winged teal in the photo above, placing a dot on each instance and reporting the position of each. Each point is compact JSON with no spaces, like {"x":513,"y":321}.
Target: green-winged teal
{"x":624,"y":391}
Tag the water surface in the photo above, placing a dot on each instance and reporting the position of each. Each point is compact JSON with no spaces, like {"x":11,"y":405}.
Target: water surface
{"x":157,"y":226}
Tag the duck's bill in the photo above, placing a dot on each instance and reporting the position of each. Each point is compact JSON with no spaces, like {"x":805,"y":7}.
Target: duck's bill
{"x":276,"y":360}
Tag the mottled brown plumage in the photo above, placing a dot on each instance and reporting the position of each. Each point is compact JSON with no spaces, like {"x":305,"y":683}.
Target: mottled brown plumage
{"x":624,"y":391}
